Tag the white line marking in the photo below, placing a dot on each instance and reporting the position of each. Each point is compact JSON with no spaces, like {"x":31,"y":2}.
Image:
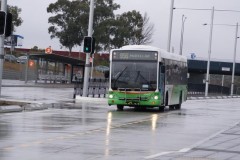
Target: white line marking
{"x":192,"y":146}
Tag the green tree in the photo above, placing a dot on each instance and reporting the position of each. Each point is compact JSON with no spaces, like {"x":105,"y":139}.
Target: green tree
{"x":67,"y":22}
{"x":103,"y":21}
{"x":132,"y":28}
{"x":70,"y":23}
{"x":16,"y":19}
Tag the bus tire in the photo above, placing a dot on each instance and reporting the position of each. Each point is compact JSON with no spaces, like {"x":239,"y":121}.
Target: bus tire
{"x":178,"y":106}
{"x":172,"y":107}
{"x":120,"y":107}
{"x":161,"y":108}
{"x":166,"y":100}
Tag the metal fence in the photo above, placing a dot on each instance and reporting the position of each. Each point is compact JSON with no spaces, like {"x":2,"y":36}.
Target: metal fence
{"x":98,"y":87}
{"x":199,"y":89}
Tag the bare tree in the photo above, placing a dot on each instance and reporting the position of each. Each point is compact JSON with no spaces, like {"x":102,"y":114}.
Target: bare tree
{"x":147,"y":31}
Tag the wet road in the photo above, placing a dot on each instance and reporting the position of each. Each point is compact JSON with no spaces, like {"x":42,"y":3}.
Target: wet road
{"x":93,"y":130}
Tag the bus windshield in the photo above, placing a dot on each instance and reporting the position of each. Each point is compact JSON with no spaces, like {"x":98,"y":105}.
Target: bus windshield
{"x":135,"y":75}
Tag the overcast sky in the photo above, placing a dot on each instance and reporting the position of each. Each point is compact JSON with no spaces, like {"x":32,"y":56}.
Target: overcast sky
{"x":196,"y":36}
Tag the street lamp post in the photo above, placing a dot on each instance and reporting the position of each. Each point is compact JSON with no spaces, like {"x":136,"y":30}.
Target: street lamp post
{"x":234,"y":59}
{"x":209,"y":53}
{"x":170,"y":26}
{"x":182,"y":32}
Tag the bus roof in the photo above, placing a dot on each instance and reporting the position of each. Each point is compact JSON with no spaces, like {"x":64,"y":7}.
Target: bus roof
{"x":163,"y":53}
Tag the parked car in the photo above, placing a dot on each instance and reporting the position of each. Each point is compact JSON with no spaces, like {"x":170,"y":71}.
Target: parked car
{"x":10,"y":58}
{"x":22,"y":59}
{"x":102,"y":68}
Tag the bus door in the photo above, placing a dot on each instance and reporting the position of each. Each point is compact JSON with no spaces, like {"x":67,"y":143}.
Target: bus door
{"x":162,"y":82}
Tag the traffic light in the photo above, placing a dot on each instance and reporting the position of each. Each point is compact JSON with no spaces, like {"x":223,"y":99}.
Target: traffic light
{"x":93,"y":45}
{"x":8,"y":28}
{"x":2,"y":22}
{"x":5,"y":24}
{"x":89,"y":45}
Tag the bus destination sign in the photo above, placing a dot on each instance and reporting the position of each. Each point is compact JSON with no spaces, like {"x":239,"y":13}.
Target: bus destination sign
{"x":135,"y":55}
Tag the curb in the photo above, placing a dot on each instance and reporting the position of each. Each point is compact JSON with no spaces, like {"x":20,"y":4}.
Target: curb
{"x":31,"y":107}
{"x":212,"y":97}
{"x":10,"y":108}
{"x":7,"y":106}
{"x":89,"y":99}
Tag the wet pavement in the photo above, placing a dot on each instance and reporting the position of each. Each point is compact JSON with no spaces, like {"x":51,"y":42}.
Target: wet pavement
{"x":90,"y":129}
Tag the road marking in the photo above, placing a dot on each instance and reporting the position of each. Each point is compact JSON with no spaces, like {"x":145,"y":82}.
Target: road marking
{"x":8,"y":148}
{"x":24,"y":145}
{"x":158,"y":154}
{"x":184,"y":150}
{"x":38,"y":142}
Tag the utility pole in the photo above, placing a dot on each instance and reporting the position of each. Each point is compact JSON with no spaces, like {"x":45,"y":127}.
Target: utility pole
{"x":3,"y":8}
{"x":87,"y":63}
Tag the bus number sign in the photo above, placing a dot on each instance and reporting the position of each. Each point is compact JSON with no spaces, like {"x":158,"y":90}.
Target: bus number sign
{"x":135,"y":55}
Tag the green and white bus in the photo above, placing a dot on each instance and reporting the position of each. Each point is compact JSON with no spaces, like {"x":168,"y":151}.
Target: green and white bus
{"x":147,"y":77}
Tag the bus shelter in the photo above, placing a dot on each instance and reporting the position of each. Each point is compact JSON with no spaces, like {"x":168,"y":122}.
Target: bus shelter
{"x":53,"y":68}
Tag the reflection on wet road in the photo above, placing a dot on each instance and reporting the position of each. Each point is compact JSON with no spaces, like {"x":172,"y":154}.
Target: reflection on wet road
{"x":93,"y":130}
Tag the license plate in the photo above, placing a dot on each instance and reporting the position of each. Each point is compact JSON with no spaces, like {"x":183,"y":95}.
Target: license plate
{"x":132,"y":103}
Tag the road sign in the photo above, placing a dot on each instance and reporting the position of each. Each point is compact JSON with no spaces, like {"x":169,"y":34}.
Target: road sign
{"x":48,"y":50}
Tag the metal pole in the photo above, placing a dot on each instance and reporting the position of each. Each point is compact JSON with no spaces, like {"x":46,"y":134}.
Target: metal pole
{"x":87,"y":63}
{"x":234,"y":59}
{"x":92,"y":66}
{"x":222,"y":80}
{"x":3,"y":8}
{"x":182,"y":32}
{"x":26,"y":69}
{"x":209,"y":53}
{"x":170,"y":26}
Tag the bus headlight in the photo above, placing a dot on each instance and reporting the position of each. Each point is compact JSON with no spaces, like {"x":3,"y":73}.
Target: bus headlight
{"x":110,"y":96}
{"x":156,"y":97}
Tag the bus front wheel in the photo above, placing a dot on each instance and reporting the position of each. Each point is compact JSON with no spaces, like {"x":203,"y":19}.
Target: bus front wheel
{"x":120,"y":107}
{"x":161,"y":108}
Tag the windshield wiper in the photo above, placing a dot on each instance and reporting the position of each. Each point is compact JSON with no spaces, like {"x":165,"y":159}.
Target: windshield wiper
{"x":120,"y":74}
{"x":140,"y":75}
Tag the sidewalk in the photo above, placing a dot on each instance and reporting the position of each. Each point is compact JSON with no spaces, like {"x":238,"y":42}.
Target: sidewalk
{"x":224,"y":145}
{"x":17,"y":96}
{"x":19,"y":83}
